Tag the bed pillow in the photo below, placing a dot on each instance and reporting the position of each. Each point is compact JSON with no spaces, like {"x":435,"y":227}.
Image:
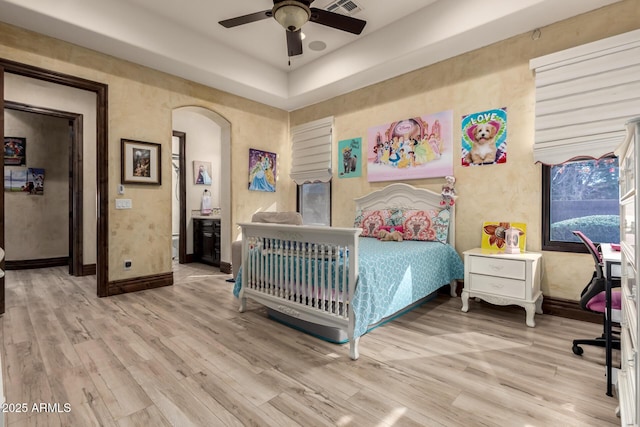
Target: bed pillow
{"x":371,"y":221}
{"x":430,"y":225}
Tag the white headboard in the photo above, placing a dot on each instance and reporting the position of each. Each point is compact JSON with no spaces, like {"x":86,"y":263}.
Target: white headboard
{"x":406,"y":196}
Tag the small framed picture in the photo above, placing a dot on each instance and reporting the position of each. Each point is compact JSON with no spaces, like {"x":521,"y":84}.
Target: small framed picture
{"x":140,"y":162}
{"x":201,"y":172}
{"x":15,"y":151}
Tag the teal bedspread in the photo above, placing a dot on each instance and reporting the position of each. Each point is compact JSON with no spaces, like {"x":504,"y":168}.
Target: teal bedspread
{"x":394,"y":275}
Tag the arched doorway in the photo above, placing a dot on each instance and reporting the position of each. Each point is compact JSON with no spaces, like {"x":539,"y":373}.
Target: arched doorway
{"x":209,"y":130}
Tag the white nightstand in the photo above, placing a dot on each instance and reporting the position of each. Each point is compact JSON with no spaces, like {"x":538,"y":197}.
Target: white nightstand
{"x":503,"y":279}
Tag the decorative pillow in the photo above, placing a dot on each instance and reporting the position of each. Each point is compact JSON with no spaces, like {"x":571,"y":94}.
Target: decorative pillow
{"x":430,"y":225}
{"x":371,"y":221}
{"x":396,"y":217}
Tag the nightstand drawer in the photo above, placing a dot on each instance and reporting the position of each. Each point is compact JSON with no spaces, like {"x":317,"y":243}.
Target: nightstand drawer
{"x":499,"y":286}
{"x":493,"y":266}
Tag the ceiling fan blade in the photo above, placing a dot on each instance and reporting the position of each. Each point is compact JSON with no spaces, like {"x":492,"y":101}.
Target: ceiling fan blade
{"x":245,"y":19}
{"x":337,"y":21}
{"x":294,"y":42}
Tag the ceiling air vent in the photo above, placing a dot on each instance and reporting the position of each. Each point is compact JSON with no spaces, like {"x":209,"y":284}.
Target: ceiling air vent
{"x":343,"y":7}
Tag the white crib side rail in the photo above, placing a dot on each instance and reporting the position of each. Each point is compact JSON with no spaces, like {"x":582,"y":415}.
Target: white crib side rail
{"x":304,"y":271}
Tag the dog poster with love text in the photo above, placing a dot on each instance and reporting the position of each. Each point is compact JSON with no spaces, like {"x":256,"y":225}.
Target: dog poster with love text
{"x":484,"y":138}
{"x":349,"y":156}
{"x":412,"y":148}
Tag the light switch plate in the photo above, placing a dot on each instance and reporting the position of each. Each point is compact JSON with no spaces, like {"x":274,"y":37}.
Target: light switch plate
{"x":123,"y":203}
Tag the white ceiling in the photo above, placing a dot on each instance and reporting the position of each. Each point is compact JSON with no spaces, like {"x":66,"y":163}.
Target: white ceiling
{"x":183,"y":37}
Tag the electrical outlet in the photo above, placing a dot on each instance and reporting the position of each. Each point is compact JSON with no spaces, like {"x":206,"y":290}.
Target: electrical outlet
{"x":127,"y":264}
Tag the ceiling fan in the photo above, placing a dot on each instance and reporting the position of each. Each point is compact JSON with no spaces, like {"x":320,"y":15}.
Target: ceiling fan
{"x":292,"y":15}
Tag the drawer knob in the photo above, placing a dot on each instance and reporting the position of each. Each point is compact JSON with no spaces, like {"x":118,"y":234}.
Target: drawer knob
{"x":496,"y":267}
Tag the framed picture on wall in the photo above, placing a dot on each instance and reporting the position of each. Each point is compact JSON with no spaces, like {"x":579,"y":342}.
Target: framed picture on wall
{"x":140,"y":162}
{"x":262,"y":170}
{"x":201,"y":172}
{"x":411,"y":148}
{"x":15,"y":151}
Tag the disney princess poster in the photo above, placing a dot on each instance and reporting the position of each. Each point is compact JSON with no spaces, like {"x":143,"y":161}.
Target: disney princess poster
{"x":493,"y":235}
{"x":262,"y":170}
{"x":411,"y":148}
{"x":484,"y":138}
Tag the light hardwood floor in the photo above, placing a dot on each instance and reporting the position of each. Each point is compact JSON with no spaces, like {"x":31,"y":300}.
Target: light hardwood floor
{"x":184,"y":356}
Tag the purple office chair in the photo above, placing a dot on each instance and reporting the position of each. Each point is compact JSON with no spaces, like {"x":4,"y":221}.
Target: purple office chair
{"x":593,"y":297}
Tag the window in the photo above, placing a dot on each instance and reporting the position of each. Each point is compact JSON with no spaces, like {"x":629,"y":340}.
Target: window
{"x":314,"y":203}
{"x":311,"y":169}
{"x":580,"y":195}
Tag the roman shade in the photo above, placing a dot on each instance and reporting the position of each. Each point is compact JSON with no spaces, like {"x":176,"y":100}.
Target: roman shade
{"x":311,"y":151}
{"x":584,"y":96}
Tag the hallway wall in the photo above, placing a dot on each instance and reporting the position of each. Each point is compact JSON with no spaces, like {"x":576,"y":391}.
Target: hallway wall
{"x":57,"y":97}
{"x":40,"y":222}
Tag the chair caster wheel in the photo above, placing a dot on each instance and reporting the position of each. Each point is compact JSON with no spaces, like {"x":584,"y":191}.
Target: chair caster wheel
{"x":577,"y":350}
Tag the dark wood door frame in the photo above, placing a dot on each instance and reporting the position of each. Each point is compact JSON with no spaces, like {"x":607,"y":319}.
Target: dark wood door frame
{"x":102,"y":161}
{"x":2,"y":192}
{"x":182,"y":190}
{"x":76,"y":262}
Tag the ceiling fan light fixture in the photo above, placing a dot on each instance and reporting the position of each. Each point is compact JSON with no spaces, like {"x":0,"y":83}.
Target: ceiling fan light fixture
{"x":291,"y":14}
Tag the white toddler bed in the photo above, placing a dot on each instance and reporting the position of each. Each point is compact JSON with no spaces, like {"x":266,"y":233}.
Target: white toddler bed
{"x":332,"y":277}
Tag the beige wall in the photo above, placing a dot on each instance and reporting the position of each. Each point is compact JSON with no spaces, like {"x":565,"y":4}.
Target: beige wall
{"x":40,"y":223}
{"x":141,"y":101}
{"x":492,"y":77}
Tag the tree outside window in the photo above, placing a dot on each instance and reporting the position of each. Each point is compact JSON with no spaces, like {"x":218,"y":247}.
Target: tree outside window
{"x":580,"y":195}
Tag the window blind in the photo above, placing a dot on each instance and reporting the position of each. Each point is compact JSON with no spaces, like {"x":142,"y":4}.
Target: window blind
{"x":311,"y":151}
{"x":584,"y":96}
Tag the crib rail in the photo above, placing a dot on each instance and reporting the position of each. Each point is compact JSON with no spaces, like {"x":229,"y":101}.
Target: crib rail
{"x":305,"y":272}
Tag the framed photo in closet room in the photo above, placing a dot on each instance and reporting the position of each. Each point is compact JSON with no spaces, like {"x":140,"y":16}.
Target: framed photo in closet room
{"x":140,"y":162}
{"x":15,"y":151}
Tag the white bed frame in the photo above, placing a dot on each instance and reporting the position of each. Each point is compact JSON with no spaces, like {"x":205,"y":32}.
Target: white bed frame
{"x":280,"y":287}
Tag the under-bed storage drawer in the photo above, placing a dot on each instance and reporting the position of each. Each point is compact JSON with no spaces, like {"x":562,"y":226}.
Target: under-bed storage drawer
{"x":497,"y":285}
{"x":494,"y":266}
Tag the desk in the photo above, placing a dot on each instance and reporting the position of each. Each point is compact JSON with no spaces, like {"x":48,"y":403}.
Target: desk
{"x":612,"y":268}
